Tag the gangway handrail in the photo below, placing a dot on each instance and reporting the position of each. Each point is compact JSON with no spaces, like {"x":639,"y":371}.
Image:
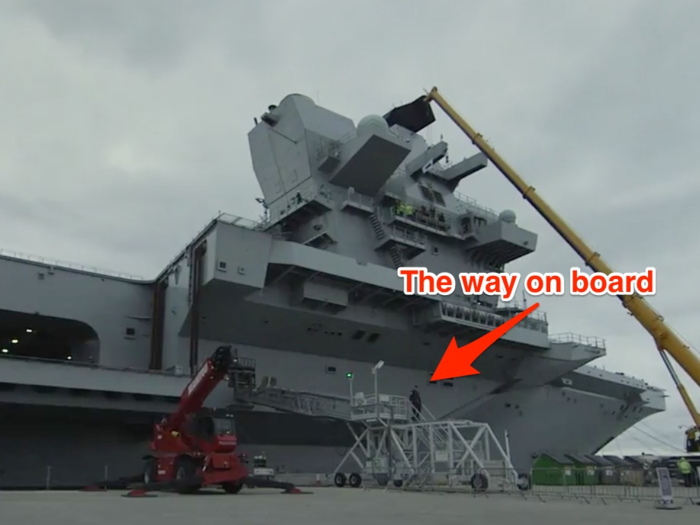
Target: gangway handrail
{"x":370,"y":402}
{"x":425,"y":411}
{"x":322,"y":395}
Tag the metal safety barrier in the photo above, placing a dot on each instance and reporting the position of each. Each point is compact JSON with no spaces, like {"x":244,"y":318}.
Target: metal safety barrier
{"x":577,"y":482}
{"x":580,"y":483}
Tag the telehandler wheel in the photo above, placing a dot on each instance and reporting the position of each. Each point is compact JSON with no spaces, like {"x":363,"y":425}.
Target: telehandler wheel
{"x":150,"y":471}
{"x":339,"y":480}
{"x":355,"y":480}
{"x":232,"y":487}
{"x":185,"y":469}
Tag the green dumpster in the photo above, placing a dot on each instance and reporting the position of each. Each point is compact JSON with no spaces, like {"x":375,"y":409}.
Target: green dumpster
{"x":552,"y":469}
{"x":606,"y":469}
{"x":584,"y":470}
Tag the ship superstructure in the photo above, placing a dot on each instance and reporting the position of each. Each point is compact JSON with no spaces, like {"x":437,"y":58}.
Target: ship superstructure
{"x":311,"y":297}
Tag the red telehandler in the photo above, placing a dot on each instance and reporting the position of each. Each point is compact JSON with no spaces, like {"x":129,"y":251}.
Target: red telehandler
{"x":196,"y":447}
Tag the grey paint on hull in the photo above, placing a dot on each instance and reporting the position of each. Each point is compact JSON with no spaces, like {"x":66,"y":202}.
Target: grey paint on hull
{"x":310,"y":293}
{"x":78,"y":447}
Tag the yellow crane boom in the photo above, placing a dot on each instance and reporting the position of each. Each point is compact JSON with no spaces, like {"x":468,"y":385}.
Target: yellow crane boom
{"x":664,"y":336}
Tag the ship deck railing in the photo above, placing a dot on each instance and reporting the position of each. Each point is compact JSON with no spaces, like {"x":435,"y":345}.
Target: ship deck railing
{"x":348,"y":137}
{"x":568,"y":337}
{"x":57,"y":263}
{"x":466,"y":203}
{"x":223,"y":217}
{"x":226,"y":218}
{"x":454,"y":309}
{"x":439,"y":220}
{"x":514,"y":307}
{"x":363,"y":201}
{"x":241,"y":222}
{"x":399,"y":232}
{"x":423,"y":216}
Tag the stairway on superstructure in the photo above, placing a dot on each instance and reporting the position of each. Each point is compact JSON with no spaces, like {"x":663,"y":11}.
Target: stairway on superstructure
{"x":401,"y":243}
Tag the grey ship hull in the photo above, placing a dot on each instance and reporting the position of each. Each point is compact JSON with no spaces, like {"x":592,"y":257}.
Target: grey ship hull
{"x":70,"y":423}
{"x":88,"y":360}
{"x":45,"y":441}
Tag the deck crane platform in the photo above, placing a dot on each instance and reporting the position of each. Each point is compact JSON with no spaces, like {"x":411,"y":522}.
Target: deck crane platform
{"x":667,"y":341}
{"x":196,"y":447}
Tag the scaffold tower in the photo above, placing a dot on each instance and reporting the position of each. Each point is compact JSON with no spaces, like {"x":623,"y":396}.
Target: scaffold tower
{"x":408,"y":449}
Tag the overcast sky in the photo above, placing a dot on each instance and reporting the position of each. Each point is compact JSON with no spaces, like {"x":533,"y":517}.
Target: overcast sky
{"x":123,"y":129}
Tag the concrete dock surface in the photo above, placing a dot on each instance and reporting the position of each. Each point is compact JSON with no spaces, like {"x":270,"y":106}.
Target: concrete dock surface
{"x":325,"y":505}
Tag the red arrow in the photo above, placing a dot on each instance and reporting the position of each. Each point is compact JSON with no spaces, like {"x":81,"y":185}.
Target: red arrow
{"x":457,"y":360}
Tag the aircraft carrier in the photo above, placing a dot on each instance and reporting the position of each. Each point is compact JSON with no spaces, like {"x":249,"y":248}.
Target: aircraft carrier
{"x":310,"y":297}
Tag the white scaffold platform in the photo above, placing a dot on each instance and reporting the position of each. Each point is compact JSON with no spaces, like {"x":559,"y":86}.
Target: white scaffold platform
{"x":408,"y":450}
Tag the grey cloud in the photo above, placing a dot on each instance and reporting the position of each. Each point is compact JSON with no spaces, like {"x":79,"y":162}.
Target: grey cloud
{"x":148,"y":35}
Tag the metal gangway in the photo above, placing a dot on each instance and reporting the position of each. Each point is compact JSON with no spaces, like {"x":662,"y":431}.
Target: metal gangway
{"x":311,"y":404}
{"x":416,"y":450}
{"x":393,"y":444}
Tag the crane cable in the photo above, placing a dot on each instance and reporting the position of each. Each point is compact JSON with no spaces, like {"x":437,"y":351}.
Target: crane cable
{"x":658,"y":440}
{"x":645,"y":446}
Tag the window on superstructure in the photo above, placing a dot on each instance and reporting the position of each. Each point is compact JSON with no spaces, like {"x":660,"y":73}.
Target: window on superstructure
{"x":427,"y":193}
{"x":359,"y":334}
{"x":330,"y":370}
{"x":432,"y":195}
{"x":467,"y":224}
{"x":373,"y":337}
